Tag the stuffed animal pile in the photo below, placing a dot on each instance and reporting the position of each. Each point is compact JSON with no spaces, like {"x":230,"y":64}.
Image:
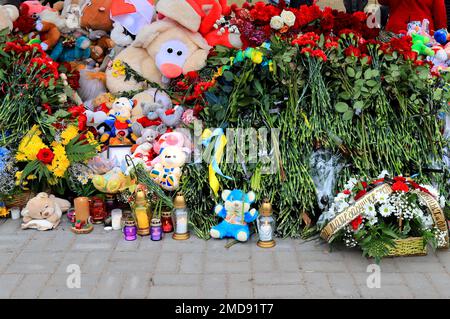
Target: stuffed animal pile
{"x":435,"y":47}
{"x":105,"y":40}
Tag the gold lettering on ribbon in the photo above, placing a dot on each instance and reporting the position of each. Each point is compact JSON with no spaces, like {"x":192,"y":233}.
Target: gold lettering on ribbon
{"x":344,"y":218}
{"x":436,"y":213}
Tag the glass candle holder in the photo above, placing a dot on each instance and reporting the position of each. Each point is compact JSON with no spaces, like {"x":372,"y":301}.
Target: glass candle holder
{"x":116,"y":215}
{"x":97,"y":210}
{"x":180,"y":215}
{"x":167,"y":222}
{"x":156,"y":229}
{"x":15,"y":212}
{"x":266,"y":225}
{"x":130,"y":230}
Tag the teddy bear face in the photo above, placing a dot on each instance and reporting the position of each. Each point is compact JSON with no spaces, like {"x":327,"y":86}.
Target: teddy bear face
{"x":171,"y":50}
{"x":40,"y":207}
{"x":171,"y":58}
{"x":172,"y":157}
{"x":121,"y":108}
{"x":236,"y":201}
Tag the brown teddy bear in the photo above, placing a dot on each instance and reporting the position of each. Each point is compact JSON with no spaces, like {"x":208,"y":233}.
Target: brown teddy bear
{"x":162,"y":51}
{"x":44,"y":212}
{"x":96,"y":15}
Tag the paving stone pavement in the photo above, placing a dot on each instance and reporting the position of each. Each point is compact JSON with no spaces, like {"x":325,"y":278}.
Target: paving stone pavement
{"x":36,"y":264}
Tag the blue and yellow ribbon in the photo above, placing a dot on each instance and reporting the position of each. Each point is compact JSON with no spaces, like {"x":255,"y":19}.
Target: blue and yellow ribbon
{"x":219,"y":147}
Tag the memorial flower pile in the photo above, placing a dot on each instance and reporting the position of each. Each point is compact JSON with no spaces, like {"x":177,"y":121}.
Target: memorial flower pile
{"x":387,"y":210}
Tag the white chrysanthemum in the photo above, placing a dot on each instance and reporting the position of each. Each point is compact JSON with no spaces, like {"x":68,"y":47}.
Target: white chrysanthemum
{"x":386,"y":210}
{"x":351,"y":183}
{"x":341,"y":197}
{"x":288,"y":18}
{"x":383,"y":174}
{"x":381,"y":198}
{"x":370,"y":211}
{"x":276,"y":22}
{"x":373,"y":220}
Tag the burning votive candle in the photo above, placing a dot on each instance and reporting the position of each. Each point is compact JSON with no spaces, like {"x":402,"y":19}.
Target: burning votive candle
{"x":266,"y":226}
{"x":130,"y":230}
{"x":15,"y":212}
{"x":181,"y":218}
{"x":116,"y":215}
{"x":156,"y":229}
{"x":167,"y":223}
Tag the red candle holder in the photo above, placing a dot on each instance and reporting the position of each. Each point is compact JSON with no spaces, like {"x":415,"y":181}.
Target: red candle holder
{"x":98,"y":210}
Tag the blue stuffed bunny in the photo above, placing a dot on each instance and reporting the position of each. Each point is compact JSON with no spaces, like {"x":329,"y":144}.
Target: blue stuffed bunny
{"x":236,"y":213}
{"x":80,"y":51}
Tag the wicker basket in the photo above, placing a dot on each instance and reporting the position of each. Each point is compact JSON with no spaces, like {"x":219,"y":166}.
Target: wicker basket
{"x":19,"y":200}
{"x":412,"y":246}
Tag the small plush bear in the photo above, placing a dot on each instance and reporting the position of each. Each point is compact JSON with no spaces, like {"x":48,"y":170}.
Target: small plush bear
{"x":118,"y":125}
{"x":43,"y":212}
{"x":236,"y":213}
{"x":167,"y":167}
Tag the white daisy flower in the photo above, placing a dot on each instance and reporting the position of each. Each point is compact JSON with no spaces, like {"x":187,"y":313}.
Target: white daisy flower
{"x":372,"y":221}
{"x":351,"y":183}
{"x":381,"y":198}
{"x":370,"y":211}
{"x":386,"y":210}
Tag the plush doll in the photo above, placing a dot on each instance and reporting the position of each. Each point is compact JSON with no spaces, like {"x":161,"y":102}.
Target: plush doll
{"x":44,"y":212}
{"x":203,"y":16}
{"x":8,"y":14}
{"x":148,"y":134}
{"x":118,"y":125}
{"x":96,"y":15}
{"x":441,"y":36}
{"x":175,"y":139}
{"x":50,"y":25}
{"x":420,"y":44}
{"x":236,"y":214}
{"x":162,"y":50}
{"x":156,"y":114}
{"x":147,"y":100}
{"x":80,"y":51}
{"x":133,"y":15}
{"x":167,"y":167}
{"x":101,"y":45}
{"x":112,"y":182}
{"x":119,"y":37}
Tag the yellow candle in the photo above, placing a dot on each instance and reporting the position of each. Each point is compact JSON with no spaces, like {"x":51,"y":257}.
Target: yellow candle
{"x":142,"y":217}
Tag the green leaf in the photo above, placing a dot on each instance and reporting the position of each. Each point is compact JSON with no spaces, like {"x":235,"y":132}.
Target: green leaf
{"x":351,"y":72}
{"x":341,"y":107}
{"x":358,"y":105}
{"x":348,"y":115}
{"x":228,"y":76}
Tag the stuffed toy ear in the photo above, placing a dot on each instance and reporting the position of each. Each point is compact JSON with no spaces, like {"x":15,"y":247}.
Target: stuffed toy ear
{"x":225,"y":194}
{"x":196,"y":61}
{"x":150,"y":31}
{"x":251,"y":196}
{"x":42,"y":195}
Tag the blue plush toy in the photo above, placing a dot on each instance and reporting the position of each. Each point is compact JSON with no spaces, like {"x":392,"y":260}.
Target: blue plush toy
{"x":236,"y":213}
{"x":441,"y":36}
{"x":80,"y":51}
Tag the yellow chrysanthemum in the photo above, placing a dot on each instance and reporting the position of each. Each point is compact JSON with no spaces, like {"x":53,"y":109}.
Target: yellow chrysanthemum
{"x":60,"y":162}
{"x":69,"y":134}
{"x":92,"y":141}
{"x":118,"y":68}
{"x":30,"y":145}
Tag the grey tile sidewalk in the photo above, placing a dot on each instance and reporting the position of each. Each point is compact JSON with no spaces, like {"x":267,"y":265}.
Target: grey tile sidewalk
{"x":34,"y":264}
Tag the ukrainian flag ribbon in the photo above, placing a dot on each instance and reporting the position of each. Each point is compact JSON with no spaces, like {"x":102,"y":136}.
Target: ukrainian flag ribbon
{"x":219,"y":147}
